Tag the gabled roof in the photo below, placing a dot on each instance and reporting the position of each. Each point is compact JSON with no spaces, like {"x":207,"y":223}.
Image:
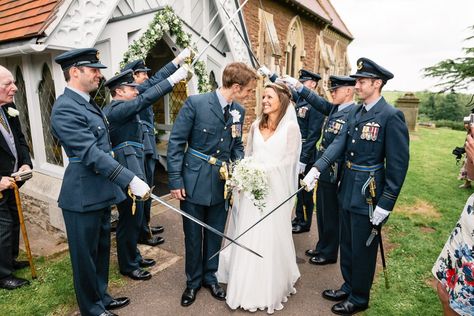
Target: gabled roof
{"x":21,"y":19}
{"x":336,"y":20}
{"x":314,"y":7}
{"x":324,"y":10}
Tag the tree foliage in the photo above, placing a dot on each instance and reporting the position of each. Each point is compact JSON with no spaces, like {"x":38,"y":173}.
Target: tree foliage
{"x":454,"y":73}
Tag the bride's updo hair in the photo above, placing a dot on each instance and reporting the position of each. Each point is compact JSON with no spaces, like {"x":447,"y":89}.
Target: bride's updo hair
{"x":284,"y":95}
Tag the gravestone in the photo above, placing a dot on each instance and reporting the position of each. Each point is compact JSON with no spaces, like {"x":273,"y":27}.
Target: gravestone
{"x":409,"y":104}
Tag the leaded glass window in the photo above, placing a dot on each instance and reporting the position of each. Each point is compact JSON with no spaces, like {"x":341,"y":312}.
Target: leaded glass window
{"x":22,"y":106}
{"x":47,"y":97}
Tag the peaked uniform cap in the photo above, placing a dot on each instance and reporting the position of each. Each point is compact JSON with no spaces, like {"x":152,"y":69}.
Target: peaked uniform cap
{"x":88,"y":57}
{"x":341,"y":81}
{"x":137,"y":66}
{"x":308,"y":75}
{"x":124,"y":78}
{"x":367,"y":68}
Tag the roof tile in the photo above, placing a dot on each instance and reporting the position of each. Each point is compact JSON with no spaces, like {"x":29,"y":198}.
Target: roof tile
{"x":25,"y":18}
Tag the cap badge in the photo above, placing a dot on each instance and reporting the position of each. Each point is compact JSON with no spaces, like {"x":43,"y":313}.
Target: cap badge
{"x":360,"y":65}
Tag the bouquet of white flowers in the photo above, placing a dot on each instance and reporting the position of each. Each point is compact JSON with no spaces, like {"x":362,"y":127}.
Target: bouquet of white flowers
{"x":251,"y":178}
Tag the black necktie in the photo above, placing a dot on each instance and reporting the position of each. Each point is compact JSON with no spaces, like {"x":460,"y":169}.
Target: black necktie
{"x":364,"y":110}
{"x":226,"y":112}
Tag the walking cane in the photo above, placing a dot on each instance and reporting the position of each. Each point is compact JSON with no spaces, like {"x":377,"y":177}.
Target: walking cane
{"x":23,"y":230}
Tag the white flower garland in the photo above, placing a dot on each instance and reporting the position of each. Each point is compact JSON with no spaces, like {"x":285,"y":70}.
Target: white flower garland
{"x":166,"y":21}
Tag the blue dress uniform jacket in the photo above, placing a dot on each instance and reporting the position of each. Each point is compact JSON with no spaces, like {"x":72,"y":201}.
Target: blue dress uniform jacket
{"x":97,"y":179}
{"x":333,"y":126}
{"x":310,"y":122}
{"x":125,"y":125}
{"x":327,"y":205}
{"x":92,"y":182}
{"x":200,"y":124}
{"x":390,"y":146}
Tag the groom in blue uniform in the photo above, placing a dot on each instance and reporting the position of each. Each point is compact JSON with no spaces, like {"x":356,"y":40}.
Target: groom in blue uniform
{"x":207,"y":133}
{"x":375,"y":145}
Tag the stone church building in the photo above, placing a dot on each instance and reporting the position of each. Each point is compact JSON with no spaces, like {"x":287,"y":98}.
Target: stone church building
{"x":284,"y":35}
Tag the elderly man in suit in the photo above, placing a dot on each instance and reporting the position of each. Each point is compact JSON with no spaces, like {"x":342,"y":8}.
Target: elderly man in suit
{"x":206,"y":133}
{"x":127,"y":136}
{"x":14,"y":156}
{"x":92,"y":182}
{"x":375,"y":145}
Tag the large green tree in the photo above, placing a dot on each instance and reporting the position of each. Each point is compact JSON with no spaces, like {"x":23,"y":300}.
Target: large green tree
{"x":455,"y":73}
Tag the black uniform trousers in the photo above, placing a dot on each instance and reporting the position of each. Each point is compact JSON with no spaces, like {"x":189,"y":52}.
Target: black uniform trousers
{"x":327,"y":217}
{"x":304,"y":203}
{"x":128,"y":230}
{"x":88,"y":235}
{"x":9,"y":232}
{"x":201,"y":244}
{"x":145,"y":232}
{"x":357,"y":261}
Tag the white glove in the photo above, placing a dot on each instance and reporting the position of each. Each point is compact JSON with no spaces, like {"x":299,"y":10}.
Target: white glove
{"x":310,"y":180}
{"x":139,"y":187}
{"x":379,"y":215}
{"x":291,"y":82}
{"x":178,"y":75}
{"x":185,"y":53}
{"x":264,"y":71}
{"x":301,"y":167}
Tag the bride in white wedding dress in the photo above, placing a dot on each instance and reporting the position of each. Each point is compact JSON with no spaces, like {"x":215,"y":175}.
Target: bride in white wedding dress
{"x":256,"y":283}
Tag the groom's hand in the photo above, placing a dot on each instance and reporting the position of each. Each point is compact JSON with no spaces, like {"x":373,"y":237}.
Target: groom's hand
{"x":179,"y":194}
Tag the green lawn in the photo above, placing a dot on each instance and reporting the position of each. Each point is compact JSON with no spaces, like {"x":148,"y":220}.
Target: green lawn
{"x":51,"y":294}
{"x":428,"y":207}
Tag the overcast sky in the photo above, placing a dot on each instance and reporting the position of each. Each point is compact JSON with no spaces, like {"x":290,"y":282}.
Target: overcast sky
{"x":406,"y":36}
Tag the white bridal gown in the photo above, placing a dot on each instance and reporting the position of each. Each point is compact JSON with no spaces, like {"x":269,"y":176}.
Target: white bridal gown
{"x":265,"y":283}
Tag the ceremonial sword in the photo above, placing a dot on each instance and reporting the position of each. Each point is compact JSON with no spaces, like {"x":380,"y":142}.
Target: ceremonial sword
{"x":197,"y":221}
{"x":261,"y":219}
{"x":217,"y":34}
{"x":241,"y":36}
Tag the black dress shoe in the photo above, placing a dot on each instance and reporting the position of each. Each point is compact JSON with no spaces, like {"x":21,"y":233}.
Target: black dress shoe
{"x":146,"y":263}
{"x":139,"y":274}
{"x":216,"y":291}
{"x":118,"y":302}
{"x":298,"y":229}
{"x":335,"y":295}
{"x":153,"y":241}
{"x":295,"y":222}
{"x":347,"y":308}
{"x":156,"y":229}
{"x":108,"y":313}
{"x":12,"y":282}
{"x":189,"y":296}
{"x":17,"y":265}
{"x":311,"y":252}
{"x":321,"y":261}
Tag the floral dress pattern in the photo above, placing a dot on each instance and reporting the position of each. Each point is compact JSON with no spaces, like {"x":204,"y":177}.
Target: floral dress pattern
{"x":454,"y":267}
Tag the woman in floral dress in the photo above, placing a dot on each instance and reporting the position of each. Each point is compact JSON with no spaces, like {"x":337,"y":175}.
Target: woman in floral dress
{"x":454,"y":268}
